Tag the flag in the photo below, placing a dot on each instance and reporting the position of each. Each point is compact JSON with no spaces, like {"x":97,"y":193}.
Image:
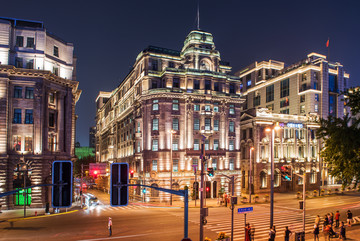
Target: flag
{"x":327,"y":43}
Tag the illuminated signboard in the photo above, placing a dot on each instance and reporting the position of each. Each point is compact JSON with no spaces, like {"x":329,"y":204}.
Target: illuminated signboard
{"x":292,"y":125}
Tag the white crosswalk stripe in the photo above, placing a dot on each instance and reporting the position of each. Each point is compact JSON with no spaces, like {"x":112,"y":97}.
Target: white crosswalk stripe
{"x":128,"y":207}
{"x":294,"y":220}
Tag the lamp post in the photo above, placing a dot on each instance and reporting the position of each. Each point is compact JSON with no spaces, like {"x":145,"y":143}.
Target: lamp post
{"x":250,"y":174}
{"x":272,"y":130}
{"x":171,"y":162}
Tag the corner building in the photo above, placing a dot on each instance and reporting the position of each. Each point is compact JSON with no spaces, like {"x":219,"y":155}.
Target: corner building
{"x":189,"y":92}
{"x":38,"y":94}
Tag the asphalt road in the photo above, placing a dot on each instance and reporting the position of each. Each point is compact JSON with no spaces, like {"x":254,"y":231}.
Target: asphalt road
{"x":136,"y":222}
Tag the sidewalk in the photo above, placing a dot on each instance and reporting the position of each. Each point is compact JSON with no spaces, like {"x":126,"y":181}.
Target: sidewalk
{"x":352,"y":233}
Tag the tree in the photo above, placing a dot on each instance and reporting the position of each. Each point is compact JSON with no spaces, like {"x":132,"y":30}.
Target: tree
{"x":342,"y":142}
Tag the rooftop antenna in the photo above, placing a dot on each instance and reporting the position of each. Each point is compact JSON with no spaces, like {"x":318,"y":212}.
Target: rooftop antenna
{"x":198,"y":15}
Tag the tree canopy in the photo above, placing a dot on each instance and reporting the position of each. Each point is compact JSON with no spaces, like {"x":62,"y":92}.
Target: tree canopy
{"x":341,"y":138}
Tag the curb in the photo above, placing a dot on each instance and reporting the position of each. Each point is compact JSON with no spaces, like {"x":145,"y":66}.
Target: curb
{"x":40,"y":216}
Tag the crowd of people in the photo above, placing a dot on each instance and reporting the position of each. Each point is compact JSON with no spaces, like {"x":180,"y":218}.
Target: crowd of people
{"x":328,"y":225}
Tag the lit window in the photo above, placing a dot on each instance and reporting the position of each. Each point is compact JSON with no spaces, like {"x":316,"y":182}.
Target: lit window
{"x":232,"y":110}
{"x":175,"y":145}
{"x":316,"y":108}
{"x":207,"y":145}
{"x":196,"y":124}
{"x":231,"y":126}
{"x":29,"y":93}
{"x":216,"y":125}
{"x":214,"y":164}
{"x":17,"y":116}
{"x":216,"y":107}
{"x":207,"y":108}
{"x":302,"y":109}
{"x":316,"y":97}
{"x":175,"y":124}
{"x":17,"y":143}
{"x":17,"y":92}
{"x":155,"y":146}
{"x":216,"y":144}
{"x":175,"y":105}
{"x":196,"y":107}
{"x":154,"y":165}
{"x":207,"y":124}
{"x":175,"y":165}
{"x":231,"y":164}
{"x":155,"y":124}
{"x":196,"y":145}
{"x":263,"y":180}
{"x":231,"y":145}
{"x":155,"y":105}
{"x":29,"y":117}
{"x":28,"y":143}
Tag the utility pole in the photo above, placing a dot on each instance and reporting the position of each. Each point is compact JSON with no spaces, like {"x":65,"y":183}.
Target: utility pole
{"x":250,"y":175}
{"x":232,"y":207}
{"x":202,"y":216}
{"x":81,"y":185}
{"x":272,"y":178}
{"x":25,"y":191}
{"x":304,"y":198}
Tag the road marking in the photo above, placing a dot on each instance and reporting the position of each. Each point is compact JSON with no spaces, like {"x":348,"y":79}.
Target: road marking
{"x":42,"y":216}
{"x":118,"y":237}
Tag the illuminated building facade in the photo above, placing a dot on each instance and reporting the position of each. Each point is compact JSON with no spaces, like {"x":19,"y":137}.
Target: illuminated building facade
{"x":188,"y":91}
{"x":312,"y":86}
{"x":295,"y":144}
{"x":38,"y":93}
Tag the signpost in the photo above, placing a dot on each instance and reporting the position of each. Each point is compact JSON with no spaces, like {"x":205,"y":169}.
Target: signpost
{"x":245,"y":211}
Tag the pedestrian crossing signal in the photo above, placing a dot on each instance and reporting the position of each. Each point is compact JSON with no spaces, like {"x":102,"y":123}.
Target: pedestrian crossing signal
{"x":210,"y":172}
{"x":286,"y":173}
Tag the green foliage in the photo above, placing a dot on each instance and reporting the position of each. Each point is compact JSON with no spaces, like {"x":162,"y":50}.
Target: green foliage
{"x":342,"y":143}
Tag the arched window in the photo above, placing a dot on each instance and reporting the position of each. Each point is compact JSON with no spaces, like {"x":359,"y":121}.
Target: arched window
{"x":277,"y":177}
{"x":154,"y":192}
{"x":263,"y":179}
{"x":175,"y":186}
{"x":313,"y":176}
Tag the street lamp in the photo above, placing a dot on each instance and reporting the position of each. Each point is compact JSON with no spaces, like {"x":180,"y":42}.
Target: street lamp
{"x":171,"y":161}
{"x":250,"y":174}
{"x":272,"y":130}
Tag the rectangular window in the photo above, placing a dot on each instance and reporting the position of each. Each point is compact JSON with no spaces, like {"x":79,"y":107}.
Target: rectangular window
{"x":155,"y":105}
{"x":175,"y":124}
{"x":216,"y":86}
{"x":302,"y":98}
{"x":316,"y":97}
{"x":196,"y":124}
{"x":196,"y":107}
{"x":257,"y":100}
{"x":52,"y":119}
{"x":154,"y":165}
{"x":231,"y":126}
{"x":155,"y":145}
{"x":17,"y":143}
{"x":207,"y":124}
{"x":19,"y":62}
{"x":207,"y":145}
{"x":232,"y":89}
{"x":29,"y":117}
{"x":195,"y":162}
{"x":51,"y":98}
{"x":207,"y":108}
{"x":216,"y":125}
{"x":19,"y":41}
{"x":316,"y":108}
{"x":332,"y":105}
{"x":155,"y":124}
{"x":231,"y":145}
{"x":216,"y":107}
{"x":232,"y":110}
{"x":207,"y":84}
{"x":52,"y":143}
{"x":17,"y":92}
{"x":196,"y":84}
{"x":285,"y":111}
{"x":175,"y":165}
{"x":138,"y":127}
{"x":231,"y":164}
{"x":30,"y":64}
{"x":138,"y":147}
{"x":216,"y":144}
{"x":333,"y":85}
{"x":28,"y":143}
{"x":17,"y":116}
{"x":248,"y":83}
{"x":55,"y":70}
{"x":154,"y":84}
{"x":175,"y":105}
{"x":284,"y":103}
{"x":302,"y":109}
{"x":175,"y":145}
{"x":214,"y":164}
{"x":30,"y":42}
{"x":56,"y":51}
{"x":29,"y":93}
{"x":196,"y":145}
{"x":176,"y":83}
{"x":153,"y":64}
{"x":284,"y":88}
{"x":270,"y":93}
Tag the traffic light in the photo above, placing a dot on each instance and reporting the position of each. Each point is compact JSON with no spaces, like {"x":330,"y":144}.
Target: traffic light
{"x":62,"y":178}
{"x":210,"y":171}
{"x":144,"y":190}
{"x":207,"y":189}
{"x":286,"y":173}
{"x":95,"y":173}
{"x":119,"y":179}
{"x":132,"y":174}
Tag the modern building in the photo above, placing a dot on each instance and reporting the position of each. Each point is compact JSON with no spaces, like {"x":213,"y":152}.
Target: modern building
{"x":38,"y":93}
{"x":312,"y":86}
{"x":156,"y":118}
{"x":92,"y":132}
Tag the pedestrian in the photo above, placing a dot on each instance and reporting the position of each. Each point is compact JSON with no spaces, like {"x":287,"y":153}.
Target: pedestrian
{"x":349,"y":217}
{"x":337,"y":219}
{"x":331,"y":218}
{"x":317,"y":220}
{"x":326,"y":222}
{"x":110,"y":226}
{"x":342,"y":231}
{"x":327,"y":232}
{"x":287,"y":233}
{"x":225,"y":199}
{"x":316,"y":232}
{"x":248,"y":232}
{"x":272,"y":233}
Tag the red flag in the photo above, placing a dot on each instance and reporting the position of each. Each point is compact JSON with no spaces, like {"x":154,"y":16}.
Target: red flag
{"x":327,"y":43}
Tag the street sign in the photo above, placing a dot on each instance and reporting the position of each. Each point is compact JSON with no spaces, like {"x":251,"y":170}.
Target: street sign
{"x":245,"y":210}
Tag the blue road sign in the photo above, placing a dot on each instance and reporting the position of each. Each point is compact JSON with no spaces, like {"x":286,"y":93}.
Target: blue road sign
{"x":245,"y":210}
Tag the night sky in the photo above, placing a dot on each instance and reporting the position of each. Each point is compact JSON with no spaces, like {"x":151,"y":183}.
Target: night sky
{"x":108,"y":35}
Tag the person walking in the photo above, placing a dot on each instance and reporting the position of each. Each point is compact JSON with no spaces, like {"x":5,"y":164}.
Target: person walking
{"x":287,"y":233}
{"x":272,"y":233}
{"x":317,"y":220}
{"x":337,"y":219}
{"x":110,"y":226}
{"x":349,"y":217}
{"x":342,"y":235}
{"x":316,"y":232}
{"x":248,"y":232}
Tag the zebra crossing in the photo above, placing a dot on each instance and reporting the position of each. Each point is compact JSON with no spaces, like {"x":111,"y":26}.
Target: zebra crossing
{"x":112,"y":209}
{"x":260,"y":221}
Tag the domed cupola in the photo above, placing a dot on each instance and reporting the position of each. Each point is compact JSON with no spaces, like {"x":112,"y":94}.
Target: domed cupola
{"x":199,"y":51}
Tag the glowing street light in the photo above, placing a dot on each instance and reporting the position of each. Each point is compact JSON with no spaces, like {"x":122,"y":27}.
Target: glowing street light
{"x":250,"y":174}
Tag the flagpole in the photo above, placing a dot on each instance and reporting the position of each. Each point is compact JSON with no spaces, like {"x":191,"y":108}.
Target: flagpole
{"x":328,"y":47}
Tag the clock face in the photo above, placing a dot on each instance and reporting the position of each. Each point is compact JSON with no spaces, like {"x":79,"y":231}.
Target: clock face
{"x":204,"y":65}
